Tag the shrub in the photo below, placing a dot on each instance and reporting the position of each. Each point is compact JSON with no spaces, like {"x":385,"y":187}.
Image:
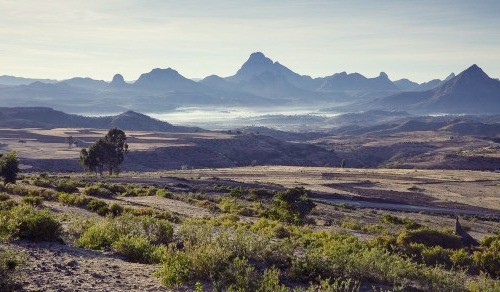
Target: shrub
{"x":488,"y":260}
{"x":430,"y":238}
{"x":98,"y":206}
{"x":26,"y":222}
{"x":9,"y":167}
{"x":408,"y":223}
{"x":107,"y":232}
{"x":116,"y":209}
{"x":291,"y":206}
{"x":270,"y":281}
{"x":491,"y":241}
{"x":67,"y":186}
{"x":351,"y":224}
{"x":35,"y":201}
{"x":8,"y":204}
{"x":175,"y":269}
{"x":97,"y":191}
{"x":336,"y":285}
{"x":390,"y":219}
{"x":259,"y":194}
{"x":460,"y":258}
{"x":8,"y":264}
{"x":98,"y":236}
{"x":73,"y":200}
{"x":436,"y":255}
{"x":134,"y":248}
{"x":163,"y":193}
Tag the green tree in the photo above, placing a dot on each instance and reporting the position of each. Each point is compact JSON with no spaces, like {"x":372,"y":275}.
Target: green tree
{"x":106,"y":153}
{"x":9,"y":167}
{"x":292,"y":205}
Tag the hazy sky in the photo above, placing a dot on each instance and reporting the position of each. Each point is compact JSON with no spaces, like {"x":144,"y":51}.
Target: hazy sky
{"x":420,"y":40}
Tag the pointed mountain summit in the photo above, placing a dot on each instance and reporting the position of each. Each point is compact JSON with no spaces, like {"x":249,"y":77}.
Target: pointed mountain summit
{"x":258,"y":63}
{"x":471,"y":91}
{"x":166,"y":79}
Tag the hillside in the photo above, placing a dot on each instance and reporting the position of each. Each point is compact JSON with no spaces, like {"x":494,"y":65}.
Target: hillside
{"x":472,"y":91}
{"x":38,"y":117}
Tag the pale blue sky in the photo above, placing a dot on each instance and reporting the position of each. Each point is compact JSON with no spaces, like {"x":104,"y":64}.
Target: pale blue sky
{"x":420,"y":40}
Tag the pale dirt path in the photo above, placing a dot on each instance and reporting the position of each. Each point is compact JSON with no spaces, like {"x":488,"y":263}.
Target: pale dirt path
{"x":57,"y":267}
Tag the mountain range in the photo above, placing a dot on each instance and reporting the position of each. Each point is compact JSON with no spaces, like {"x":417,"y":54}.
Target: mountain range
{"x":471,"y":91}
{"x":260,"y":82}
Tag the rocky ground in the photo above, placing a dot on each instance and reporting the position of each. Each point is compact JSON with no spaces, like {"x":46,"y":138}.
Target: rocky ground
{"x":59,"y":267}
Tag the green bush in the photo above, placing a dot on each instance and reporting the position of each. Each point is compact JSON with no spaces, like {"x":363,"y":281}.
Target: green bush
{"x":436,"y":255}
{"x":488,"y":260}
{"x":9,"y":167}
{"x":291,"y":206}
{"x":35,"y":201}
{"x":26,"y":222}
{"x":67,"y":186}
{"x":127,"y":234}
{"x":116,"y":209}
{"x":460,"y":258}
{"x":98,"y":206}
{"x":73,"y":200}
{"x":430,"y":238}
{"x":97,"y":191}
{"x":8,"y":264}
{"x":163,"y":193}
{"x":134,"y":248}
{"x":351,"y":224}
{"x":259,"y":194}
{"x":174,"y":271}
{"x":99,"y":236}
{"x":270,"y":281}
{"x":408,"y":223}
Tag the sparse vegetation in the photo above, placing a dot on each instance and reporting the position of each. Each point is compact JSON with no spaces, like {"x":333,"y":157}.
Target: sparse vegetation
{"x":27,"y":222}
{"x":280,"y":249}
{"x":8,"y":264}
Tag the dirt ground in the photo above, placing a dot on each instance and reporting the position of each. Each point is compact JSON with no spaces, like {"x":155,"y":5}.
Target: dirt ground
{"x":460,"y":189}
{"x":59,"y":267}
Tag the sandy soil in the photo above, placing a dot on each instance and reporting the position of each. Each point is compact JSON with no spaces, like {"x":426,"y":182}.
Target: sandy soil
{"x":57,"y":267}
{"x":429,"y":187}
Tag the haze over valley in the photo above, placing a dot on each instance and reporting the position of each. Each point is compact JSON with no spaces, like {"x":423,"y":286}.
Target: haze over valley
{"x":250,"y":146}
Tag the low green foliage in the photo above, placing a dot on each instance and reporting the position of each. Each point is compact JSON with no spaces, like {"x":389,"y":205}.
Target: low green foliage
{"x":8,"y":264}
{"x":9,"y":167}
{"x":135,"y":237}
{"x":27,"y":222}
{"x":163,"y":193}
{"x":97,"y":191}
{"x":35,"y":201}
{"x":134,"y":248}
{"x":430,"y":237}
{"x":291,"y":206}
{"x":98,"y":206}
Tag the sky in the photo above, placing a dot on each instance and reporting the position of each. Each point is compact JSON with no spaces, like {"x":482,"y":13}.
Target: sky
{"x":419,"y":40}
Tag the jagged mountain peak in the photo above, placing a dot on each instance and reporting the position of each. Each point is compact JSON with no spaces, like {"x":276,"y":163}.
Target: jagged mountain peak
{"x":452,"y":75}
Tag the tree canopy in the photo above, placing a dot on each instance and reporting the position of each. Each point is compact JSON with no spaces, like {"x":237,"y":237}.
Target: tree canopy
{"x":9,"y":167}
{"x":106,"y":153}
